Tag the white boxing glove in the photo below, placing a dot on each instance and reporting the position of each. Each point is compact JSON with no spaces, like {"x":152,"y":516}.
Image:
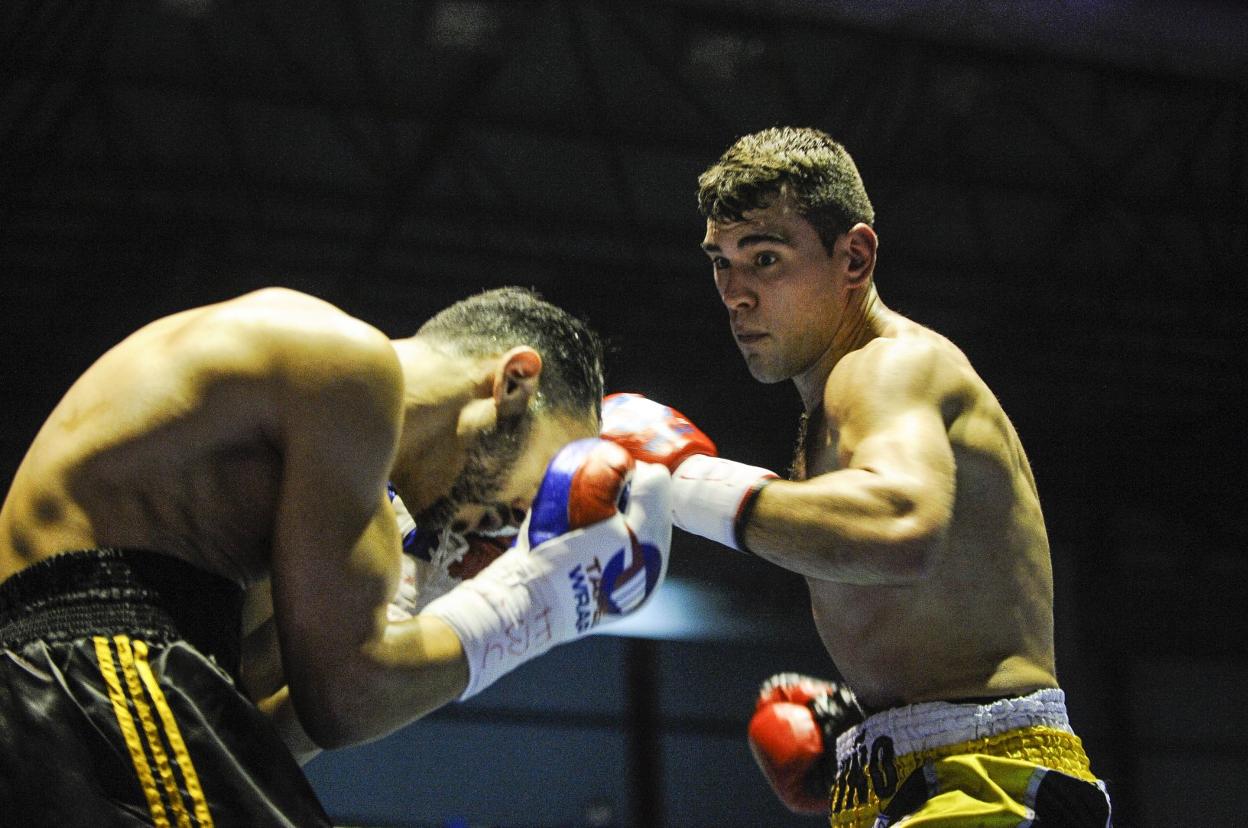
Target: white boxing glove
{"x":593,"y":548}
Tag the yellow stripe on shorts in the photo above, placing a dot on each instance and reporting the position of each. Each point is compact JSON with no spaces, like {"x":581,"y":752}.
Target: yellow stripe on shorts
{"x":174,"y":735}
{"x":134,"y":743}
{"x":150,"y":729}
{"x":158,"y":729}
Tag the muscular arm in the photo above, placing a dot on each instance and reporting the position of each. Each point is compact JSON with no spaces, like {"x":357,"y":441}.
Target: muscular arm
{"x":433,"y":674}
{"x":337,"y":394}
{"x":882,"y":515}
{"x":265,"y":683}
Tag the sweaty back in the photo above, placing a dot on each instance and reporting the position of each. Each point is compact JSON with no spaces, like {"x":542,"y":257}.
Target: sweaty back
{"x":166,"y":443}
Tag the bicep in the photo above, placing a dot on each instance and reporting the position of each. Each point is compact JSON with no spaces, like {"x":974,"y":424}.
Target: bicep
{"x":335,"y":562}
{"x":910,"y":447}
{"x":892,"y":425}
{"x":335,"y":543}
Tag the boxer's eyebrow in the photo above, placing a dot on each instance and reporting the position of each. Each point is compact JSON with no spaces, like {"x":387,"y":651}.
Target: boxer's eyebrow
{"x":762,"y":237}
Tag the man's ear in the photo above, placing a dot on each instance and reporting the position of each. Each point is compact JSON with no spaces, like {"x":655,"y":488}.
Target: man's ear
{"x":515,"y":380}
{"x":861,"y":244}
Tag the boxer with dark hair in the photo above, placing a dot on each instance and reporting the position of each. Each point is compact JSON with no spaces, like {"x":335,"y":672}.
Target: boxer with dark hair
{"x":912,"y":512}
{"x":255,"y":452}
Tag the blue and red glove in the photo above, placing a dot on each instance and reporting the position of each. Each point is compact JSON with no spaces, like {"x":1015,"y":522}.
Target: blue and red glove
{"x":593,"y":549}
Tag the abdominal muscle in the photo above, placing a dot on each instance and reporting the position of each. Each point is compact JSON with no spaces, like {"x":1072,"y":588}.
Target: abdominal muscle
{"x":899,"y":645}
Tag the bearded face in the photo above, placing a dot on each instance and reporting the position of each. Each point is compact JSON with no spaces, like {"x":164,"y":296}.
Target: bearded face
{"x":489,"y":462}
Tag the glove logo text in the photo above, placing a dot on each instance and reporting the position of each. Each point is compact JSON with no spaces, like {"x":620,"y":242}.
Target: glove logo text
{"x":618,"y":588}
{"x":585,"y":586}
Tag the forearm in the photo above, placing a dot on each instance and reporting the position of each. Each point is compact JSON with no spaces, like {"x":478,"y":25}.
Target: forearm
{"x":850,"y":526}
{"x":537,"y":595}
{"x":418,"y":667}
{"x":410,"y":669}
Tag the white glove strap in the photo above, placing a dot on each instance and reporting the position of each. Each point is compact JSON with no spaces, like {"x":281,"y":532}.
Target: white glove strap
{"x":516,"y":608}
{"x":711,"y":494}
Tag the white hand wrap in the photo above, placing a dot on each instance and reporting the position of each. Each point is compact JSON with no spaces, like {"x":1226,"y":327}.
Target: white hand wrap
{"x":711,"y":496}
{"x":529,"y":600}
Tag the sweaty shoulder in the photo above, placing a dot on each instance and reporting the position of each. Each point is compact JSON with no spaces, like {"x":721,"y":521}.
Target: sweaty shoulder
{"x":309,"y":352}
{"x":911,"y":365}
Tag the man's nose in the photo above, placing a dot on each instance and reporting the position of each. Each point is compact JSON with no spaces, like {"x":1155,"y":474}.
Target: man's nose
{"x":734,"y":293}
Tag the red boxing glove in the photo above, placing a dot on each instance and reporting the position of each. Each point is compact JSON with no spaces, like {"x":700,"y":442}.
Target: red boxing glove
{"x":651,"y":431}
{"x":793,"y":737}
{"x":711,"y":496}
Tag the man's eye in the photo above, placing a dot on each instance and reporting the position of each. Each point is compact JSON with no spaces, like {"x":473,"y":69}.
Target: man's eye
{"x":719,"y":262}
{"x":765,"y":259}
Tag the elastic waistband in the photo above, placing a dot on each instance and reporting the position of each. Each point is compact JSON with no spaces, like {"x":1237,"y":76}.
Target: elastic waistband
{"x":104,"y":591}
{"x":928,"y":726}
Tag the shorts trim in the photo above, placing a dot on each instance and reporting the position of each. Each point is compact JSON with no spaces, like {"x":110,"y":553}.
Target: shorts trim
{"x":919,"y":728}
{"x":146,"y":736}
{"x":896,"y":753}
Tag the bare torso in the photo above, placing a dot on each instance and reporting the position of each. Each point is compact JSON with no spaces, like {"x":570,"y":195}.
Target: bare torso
{"x":980,"y":622}
{"x":163,"y":444}
{"x":253,"y":439}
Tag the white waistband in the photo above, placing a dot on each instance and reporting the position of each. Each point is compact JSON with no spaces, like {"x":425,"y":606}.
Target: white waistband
{"x":930,"y":725}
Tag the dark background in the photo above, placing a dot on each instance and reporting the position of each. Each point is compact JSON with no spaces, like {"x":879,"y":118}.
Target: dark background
{"x":1060,"y":188}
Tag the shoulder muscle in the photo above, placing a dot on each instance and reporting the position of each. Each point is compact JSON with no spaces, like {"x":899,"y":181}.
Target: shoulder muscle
{"x":891,"y":376}
{"x":331,"y":382}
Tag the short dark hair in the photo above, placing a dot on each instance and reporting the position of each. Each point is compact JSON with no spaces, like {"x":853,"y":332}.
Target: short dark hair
{"x":818,"y":171}
{"x":494,"y":321}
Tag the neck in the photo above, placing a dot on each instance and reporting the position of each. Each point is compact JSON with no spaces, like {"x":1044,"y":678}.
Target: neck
{"x":863,"y":318}
{"x":439,"y":386}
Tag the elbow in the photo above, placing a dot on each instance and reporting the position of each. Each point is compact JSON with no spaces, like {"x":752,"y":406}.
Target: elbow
{"x":327,"y":728}
{"x":333,"y":732}
{"x":331,"y":718}
{"x":330,"y":735}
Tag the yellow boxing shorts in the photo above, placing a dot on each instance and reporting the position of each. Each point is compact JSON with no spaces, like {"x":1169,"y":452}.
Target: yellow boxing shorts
{"x":1012,"y":762}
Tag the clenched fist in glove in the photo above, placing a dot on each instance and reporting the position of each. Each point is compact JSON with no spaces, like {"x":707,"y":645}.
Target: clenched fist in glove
{"x":711,"y":496}
{"x":593,"y":548}
{"x":793,"y":736}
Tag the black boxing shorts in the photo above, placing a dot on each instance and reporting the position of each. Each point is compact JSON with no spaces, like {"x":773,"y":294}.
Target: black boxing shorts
{"x":119,"y":703}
